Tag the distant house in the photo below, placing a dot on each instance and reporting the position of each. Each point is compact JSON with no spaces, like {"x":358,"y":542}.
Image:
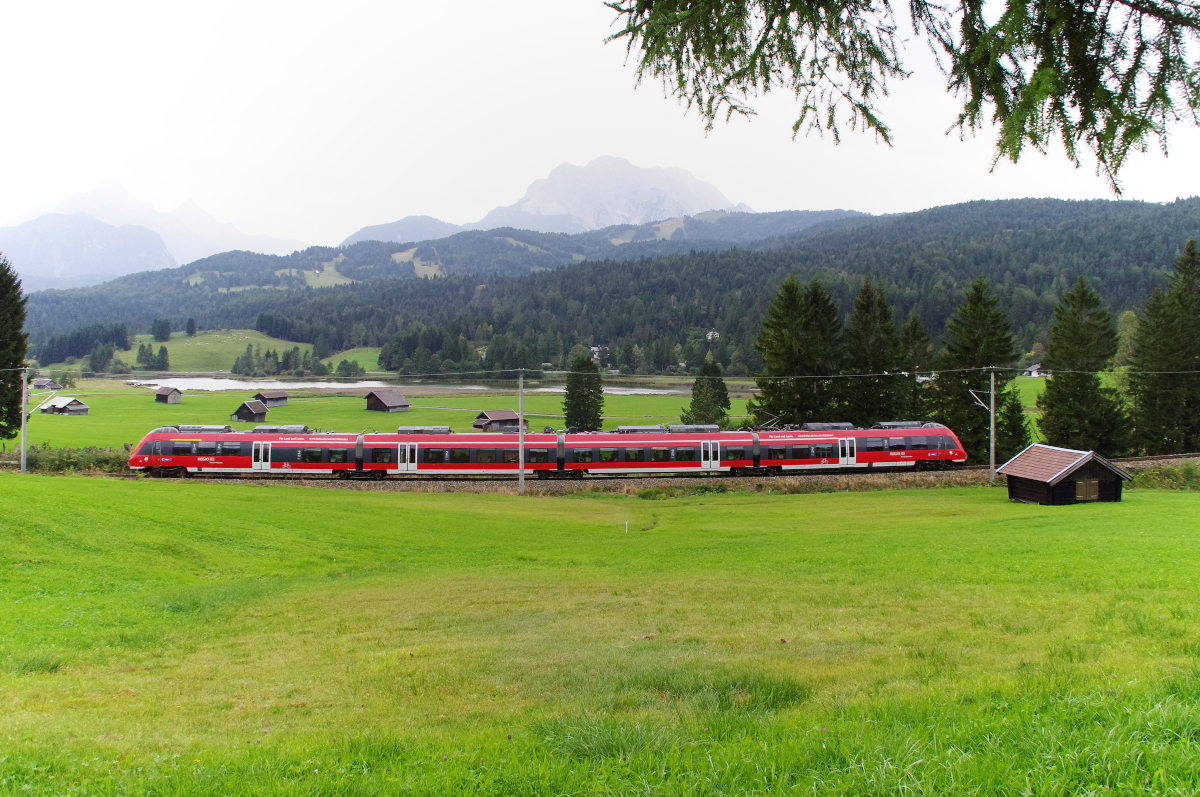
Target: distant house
{"x":1036,"y":371}
{"x":387,"y":401}
{"x":168,"y":395}
{"x":252,"y":411}
{"x":1043,"y":474}
{"x":497,"y":421}
{"x":64,"y":405}
{"x":42,"y":383}
{"x":272,"y":398}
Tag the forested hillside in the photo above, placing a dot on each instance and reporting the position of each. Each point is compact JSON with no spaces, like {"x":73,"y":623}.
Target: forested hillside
{"x":1031,"y":250}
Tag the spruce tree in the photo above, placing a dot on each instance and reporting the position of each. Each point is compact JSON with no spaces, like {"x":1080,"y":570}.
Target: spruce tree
{"x":916,"y":356}
{"x":13,"y":348}
{"x":1077,"y":411}
{"x":163,"y":361}
{"x":191,"y":328}
{"x":1166,"y":399}
{"x":801,"y":336}
{"x":872,"y":347}
{"x":980,"y":338}
{"x":710,"y":397}
{"x":584,"y":402}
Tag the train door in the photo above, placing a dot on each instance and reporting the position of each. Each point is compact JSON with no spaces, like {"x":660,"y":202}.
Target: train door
{"x":260,"y":457}
{"x":710,"y":455}
{"x":408,"y":458}
{"x":846,"y":452}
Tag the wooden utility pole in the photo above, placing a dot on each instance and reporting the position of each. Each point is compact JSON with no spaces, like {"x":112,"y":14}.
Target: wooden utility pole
{"x":992,"y":438}
{"x":24,"y":416}
{"x":521,"y":431}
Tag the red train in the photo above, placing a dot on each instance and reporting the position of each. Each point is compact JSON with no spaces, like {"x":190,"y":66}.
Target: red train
{"x":436,"y":451}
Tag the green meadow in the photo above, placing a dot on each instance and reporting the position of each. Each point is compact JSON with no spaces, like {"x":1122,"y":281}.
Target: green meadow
{"x":121,"y":414}
{"x":166,"y":638}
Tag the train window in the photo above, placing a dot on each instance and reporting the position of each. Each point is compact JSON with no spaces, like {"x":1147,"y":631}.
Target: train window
{"x":509,"y":456}
{"x":338,"y":455}
{"x":230,"y":449}
{"x":403,"y":452}
{"x":608,"y":455}
{"x":687,"y":455}
{"x":381,"y":456}
{"x":181,"y":448}
{"x":285,"y":454}
{"x":432,"y":455}
{"x":943,"y":442}
{"x":581,"y":455}
{"x":875,"y":444}
{"x":635,"y":455}
{"x":824,"y":452}
{"x":311,"y":455}
{"x":735,"y":453}
{"x":460,"y":455}
{"x":660,"y":455}
{"x":537,"y":456}
{"x":896,"y":444}
{"x":206,"y":448}
{"x":145,"y":449}
{"x":486,"y":456}
{"x":777,"y":452}
{"x":802,"y":452}
{"x":918,"y":443}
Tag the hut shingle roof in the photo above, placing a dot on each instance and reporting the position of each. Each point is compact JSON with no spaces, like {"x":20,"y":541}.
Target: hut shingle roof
{"x":1051,"y":465}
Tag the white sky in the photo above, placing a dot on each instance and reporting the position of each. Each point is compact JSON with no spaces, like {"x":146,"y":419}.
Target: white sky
{"x":311,"y":120}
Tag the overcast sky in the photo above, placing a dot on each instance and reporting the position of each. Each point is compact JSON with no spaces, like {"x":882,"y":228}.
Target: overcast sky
{"x":311,"y":120}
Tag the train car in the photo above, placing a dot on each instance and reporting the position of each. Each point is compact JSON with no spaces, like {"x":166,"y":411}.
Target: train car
{"x":296,"y":451}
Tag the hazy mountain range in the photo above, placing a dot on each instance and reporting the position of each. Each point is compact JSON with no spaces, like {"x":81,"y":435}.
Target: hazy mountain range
{"x":106,"y":232}
{"x":572,"y":199}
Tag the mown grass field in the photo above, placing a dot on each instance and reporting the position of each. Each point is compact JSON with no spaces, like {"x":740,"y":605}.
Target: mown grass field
{"x":187,"y":638}
{"x":207,"y":352}
{"x":123,"y":414}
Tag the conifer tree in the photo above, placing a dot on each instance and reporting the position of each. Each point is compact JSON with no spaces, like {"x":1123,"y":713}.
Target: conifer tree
{"x":163,"y":361}
{"x":191,"y":328}
{"x":710,"y":397}
{"x":13,"y":348}
{"x":584,"y":402}
{"x":1077,"y":412}
{"x":980,"y":338}
{"x":872,"y":347}
{"x":1166,"y":399}
{"x":801,"y":336}
{"x":916,"y":356}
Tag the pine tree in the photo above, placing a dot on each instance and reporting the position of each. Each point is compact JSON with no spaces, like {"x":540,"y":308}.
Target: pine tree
{"x":584,"y":402}
{"x":916,"y":357}
{"x":1077,"y":412}
{"x":710,"y":397}
{"x":1166,"y":403}
{"x":161,"y":330}
{"x":801,"y":336}
{"x":980,"y":338}
{"x":13,"y":348}
{"x":872,"y":347}
{"x":191,"y":328}
{"x":163,"y":361}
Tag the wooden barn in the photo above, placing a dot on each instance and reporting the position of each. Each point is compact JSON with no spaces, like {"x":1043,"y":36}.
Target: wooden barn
{"x":272,"y":398}
{"x":1043,"y":474}
{"x":44,"y":383}
{"x":497,"y":420}
{"x":252,"y":411}
{"x":168,"y":395}
{"x":386,"y":401}
{"x":64,"y":405}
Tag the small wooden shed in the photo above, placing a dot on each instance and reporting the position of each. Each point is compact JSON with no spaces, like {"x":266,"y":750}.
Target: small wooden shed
{"x":1043,"y":474}
{"x":44,"y":383}
{"x":252,"y":411}
{"x":497,"y":420}
{"x":272,"y":398}
{"x":386,"y":401}
{"x":168,"y":395}
{"x":64,"y":405}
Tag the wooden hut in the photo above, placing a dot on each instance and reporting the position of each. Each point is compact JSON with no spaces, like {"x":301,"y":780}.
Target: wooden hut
{"x":1043,"y":474}
{"x":272,"y":398}
{"x":497,"y":420}
{"x":252,"y":411}
{"x":44,"y":383}
{"x":64,"y":405}
{"x":168,"y":395}
{"x":386,"y":401}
